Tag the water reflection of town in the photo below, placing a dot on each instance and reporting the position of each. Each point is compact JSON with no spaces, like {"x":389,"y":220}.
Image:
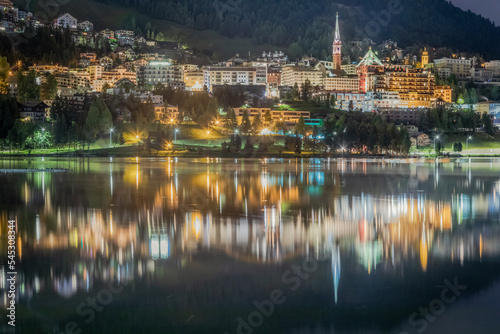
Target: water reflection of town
{"x":147,"y":216}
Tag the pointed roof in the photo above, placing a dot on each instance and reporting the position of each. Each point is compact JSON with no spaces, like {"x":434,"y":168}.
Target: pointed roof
{"x":337,"y":30}
{"x":370,"y":59}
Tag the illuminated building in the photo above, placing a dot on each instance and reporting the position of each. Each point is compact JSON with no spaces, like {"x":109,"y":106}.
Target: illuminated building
{"x":369,"y":67}
{"x":446,"y":66}
{"x":226,"y":75}
{"x":355,"y":101}
{"x":407,"y":81}
{"x":425,"y":59}
{"x":107,"y":33}
{"x":444,"y":93}
{"x":494,"y":66}
{"x":273,"y":81}
{"x":342,"y":84}
{"x":5,"y":4}
{"x":276,"y":115}
{"x":292,"y":75}
{"x":110,"y":77}
{"x":193,"y":79}
{"x":86,"y":26}
{"x":479,"y":74}
{"x":167,"y":113}
{"x":66,"y":21}
{"x":35,"y":111}
{"x":161,"y":73}
{"x":491,"y":108}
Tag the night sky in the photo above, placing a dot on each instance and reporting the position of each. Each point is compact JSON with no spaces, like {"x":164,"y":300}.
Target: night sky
{"x":487,"y":8}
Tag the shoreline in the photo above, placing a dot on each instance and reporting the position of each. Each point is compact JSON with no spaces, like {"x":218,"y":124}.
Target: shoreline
{"x":255,"y":155}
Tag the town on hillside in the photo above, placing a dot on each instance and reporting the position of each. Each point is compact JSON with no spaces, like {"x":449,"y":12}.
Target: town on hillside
{"x":151,"y":93}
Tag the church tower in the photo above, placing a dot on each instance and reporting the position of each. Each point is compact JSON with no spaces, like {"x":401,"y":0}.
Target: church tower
{"x":337,"y":47}
{"x":425,"y":58}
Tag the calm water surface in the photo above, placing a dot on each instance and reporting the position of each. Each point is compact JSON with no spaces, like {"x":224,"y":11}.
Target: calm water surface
{"x":254,"y":246}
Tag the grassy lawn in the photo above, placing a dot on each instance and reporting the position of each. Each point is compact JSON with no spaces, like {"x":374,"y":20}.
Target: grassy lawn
{"x":478,"y":141}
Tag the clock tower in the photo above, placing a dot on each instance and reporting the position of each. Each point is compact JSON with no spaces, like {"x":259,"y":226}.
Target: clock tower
{"x":337,"y":47}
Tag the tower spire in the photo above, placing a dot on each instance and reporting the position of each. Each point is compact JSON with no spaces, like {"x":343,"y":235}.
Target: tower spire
{"x":337,"y":29}
{"x":337,"y":47}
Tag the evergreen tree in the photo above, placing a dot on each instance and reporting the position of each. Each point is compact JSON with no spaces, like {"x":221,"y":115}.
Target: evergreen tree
{"x":49,"y":88}
{"x":306,"y":90}
{"x":27,"y":88}
{"x":231,"y":120}
{"x":495,"y":93}
{"x":99,"y":120}
{"x":245,"y":123}
{"x":267,"y":117}
{"x":256,"y":124}
{"x":473,"y":99}
{"x":488,"y":126}
{"x":301,"y":127}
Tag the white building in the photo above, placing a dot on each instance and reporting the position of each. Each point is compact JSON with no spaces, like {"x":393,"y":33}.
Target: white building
{"x":342,"y":84}
{"x":459,"y":66}
{"x":355,"y":101}
{"x":494,"y":66}
{"x":218,"y":75}
{"x":481,"y":75}
{"x":161,"y":73}
{"x":66,"y":21}
{"x":291,"y":75}
{"x":86,"y":26}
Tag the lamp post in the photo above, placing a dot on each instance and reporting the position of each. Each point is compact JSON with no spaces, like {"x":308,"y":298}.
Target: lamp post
{"x":467,"y":142}
{"x":110,"y":133}
{"x":43,"y":136}
{"x":138,"y":141}
{"x":175,"y":136}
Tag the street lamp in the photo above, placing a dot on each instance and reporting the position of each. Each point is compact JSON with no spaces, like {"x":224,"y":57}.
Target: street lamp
{"x":175,"y":134}
{"x":467,"y":142}
{"x":436,"y":138}
{"x":43,"y":136}
{"x":110,"y":132}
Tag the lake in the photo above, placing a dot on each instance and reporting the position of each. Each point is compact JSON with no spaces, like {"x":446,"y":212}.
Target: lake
{"x":138,"y":245}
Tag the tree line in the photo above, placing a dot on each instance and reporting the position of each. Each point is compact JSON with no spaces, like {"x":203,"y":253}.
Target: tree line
{"x":310,"y":23}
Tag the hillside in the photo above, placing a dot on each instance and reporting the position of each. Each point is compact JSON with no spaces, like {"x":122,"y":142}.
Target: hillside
{"x":208,"y":39}
{"x":230,"y":26}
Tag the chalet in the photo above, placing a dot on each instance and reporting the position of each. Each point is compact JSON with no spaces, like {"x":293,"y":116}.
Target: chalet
{"x":86,"y":26}
{"x":66,"y":21}
{"x":33,"y":111}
